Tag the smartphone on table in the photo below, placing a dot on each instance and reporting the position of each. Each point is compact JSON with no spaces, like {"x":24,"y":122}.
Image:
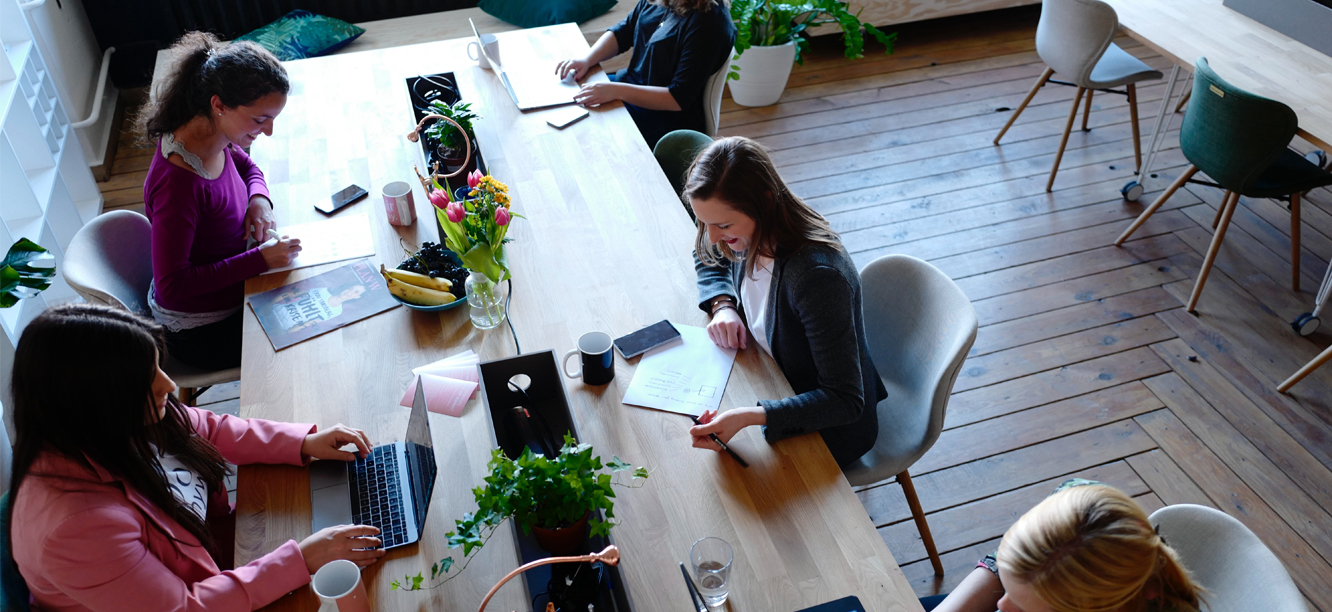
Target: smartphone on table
{"x":342,"y":198}
{"x":646,"y":339}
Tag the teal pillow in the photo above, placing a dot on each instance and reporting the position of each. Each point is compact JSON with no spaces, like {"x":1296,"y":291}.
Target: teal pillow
{"x":301,"y":34}
{"x":538,"y":13}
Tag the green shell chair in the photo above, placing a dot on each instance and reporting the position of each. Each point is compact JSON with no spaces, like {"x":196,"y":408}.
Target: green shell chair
{"x":675,"y":152}
{"x":1241,"y":141}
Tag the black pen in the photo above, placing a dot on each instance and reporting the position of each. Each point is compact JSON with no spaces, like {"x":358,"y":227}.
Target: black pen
{"x":726,"y":448}
{"x":695,"y":597}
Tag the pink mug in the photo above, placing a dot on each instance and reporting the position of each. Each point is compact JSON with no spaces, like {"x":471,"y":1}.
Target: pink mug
{"x":339,"y":587}
{"x":399,"y":204}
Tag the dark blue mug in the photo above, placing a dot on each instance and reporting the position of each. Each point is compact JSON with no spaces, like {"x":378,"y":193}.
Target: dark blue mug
{"x":596,"y":358}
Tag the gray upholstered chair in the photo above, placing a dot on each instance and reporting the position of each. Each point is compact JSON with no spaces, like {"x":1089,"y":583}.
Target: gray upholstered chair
{"x":1074,"y":39}
{"x":919,"y":326}
{"x":1239,"y":572}
{"x":712,"y":97}
{"x":109,"y":262}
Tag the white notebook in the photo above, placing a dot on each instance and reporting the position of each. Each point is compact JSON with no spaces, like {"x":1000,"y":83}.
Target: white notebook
{"x":328,"y":241}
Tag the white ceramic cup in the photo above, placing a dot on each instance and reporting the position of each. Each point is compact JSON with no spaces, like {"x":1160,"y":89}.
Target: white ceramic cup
{"x":399,"y":204}
{"x":339,"y":587}
{"x":492,"y":50}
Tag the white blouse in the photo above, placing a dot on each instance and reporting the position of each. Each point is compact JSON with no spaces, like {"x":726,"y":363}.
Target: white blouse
{"x":187,"y":485}
{"x":754,"y":296}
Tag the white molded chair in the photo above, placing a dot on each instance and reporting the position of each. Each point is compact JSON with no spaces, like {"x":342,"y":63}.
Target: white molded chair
{"x":919,"y":326}
{"x":712,"y":97}
{"x":109,"y":262}
{"x":1239,"y":572}
{"x":1074,"y":39}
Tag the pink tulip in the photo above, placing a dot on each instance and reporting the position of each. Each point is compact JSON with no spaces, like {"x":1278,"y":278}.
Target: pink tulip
{"x":474,"y":179}
{"x":439,"y":199}
{"x":455,"y":212}
{"x":501,"y":216}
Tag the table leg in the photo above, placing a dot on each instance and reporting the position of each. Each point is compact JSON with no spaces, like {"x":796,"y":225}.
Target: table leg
{"x":1158,"y":127}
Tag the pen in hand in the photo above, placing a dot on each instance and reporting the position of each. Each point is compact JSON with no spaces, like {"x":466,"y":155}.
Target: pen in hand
{"x":726,"y":448}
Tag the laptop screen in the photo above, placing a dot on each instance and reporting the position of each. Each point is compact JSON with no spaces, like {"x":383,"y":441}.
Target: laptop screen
{"x":420,"y":457}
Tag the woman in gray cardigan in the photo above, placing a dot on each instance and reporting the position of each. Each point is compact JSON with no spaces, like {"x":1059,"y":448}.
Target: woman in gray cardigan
{"x":772,"y":270}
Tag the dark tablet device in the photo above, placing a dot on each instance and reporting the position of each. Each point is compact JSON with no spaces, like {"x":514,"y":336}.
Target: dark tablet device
{"x":342,"y":198}
{"x":845,"y":604}
{"x":646,"y":339}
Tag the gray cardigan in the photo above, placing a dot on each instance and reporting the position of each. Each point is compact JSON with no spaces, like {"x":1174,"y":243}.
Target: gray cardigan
{"x":817,"y":335}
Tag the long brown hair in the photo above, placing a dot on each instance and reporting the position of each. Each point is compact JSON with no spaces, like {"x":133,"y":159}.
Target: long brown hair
{"x":1091,"y":549}
{"x":238,"y":73}
{"x":739,"y":172}
{"x":685,"y":7}
{"x":82,"y":388}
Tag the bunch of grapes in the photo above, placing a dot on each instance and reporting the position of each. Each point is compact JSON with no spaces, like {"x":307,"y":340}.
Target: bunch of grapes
{"x":436,"y":261}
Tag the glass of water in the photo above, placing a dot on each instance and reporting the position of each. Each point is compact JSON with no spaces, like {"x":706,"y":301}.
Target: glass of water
{"x":712,"y":558}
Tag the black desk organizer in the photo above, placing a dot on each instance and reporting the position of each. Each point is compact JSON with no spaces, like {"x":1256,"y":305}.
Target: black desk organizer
{"x":548,"y":400}
{"x":422,"y":90}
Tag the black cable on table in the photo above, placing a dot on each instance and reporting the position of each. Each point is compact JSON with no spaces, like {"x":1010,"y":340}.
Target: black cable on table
{"x":509,"y":315}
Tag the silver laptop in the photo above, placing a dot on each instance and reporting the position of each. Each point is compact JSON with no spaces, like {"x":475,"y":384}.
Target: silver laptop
{"x":529,"y":85}
{"x":389,"y":488}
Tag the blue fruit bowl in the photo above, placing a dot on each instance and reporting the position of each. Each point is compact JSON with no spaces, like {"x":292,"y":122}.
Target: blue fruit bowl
{"x":454,"y":304}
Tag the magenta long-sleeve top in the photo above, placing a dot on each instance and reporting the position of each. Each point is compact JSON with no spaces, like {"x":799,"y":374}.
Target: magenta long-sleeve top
{"x":200,"y":262}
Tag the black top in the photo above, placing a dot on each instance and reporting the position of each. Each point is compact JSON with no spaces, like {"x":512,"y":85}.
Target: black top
{"x":677,"y":52}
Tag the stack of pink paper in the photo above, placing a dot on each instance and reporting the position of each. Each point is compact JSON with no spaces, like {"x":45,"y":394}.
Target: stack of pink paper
{"x":448,"y":383}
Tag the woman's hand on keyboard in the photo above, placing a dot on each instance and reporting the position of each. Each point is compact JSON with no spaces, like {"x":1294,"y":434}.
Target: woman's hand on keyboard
{"x":355,"y":543}
{"x":327,"y":444}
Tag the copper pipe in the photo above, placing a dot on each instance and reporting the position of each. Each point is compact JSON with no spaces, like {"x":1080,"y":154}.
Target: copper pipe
{"x":415,"y":135}
{"x":609,"y":556}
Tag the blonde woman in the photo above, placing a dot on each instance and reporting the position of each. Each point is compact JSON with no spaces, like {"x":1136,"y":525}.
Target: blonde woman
{"x":1086,"y":548}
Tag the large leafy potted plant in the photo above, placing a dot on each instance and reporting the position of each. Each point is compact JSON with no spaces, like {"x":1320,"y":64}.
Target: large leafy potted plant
{"x":559,"y":495}
{"x":19,"y":277}
{"x":770,"y":36}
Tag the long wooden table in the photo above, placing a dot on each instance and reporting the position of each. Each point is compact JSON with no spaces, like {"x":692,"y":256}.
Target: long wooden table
{"x":605,"y":246}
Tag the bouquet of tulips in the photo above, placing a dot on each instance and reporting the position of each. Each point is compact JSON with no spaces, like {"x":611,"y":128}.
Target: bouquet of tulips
{"x":474,"y":228}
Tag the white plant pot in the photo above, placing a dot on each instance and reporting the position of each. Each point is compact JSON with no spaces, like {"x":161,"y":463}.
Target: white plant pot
{"x":763,"y":74}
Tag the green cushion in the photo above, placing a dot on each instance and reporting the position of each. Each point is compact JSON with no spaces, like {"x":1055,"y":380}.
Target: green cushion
{"x":538,"y":13}
{"x":301,"y":34}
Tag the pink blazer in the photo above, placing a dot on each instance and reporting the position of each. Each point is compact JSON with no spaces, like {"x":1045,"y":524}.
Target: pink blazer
{"x":84,"y":540}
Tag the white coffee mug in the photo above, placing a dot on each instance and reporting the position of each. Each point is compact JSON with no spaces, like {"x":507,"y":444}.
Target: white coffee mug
{"x":492,"y":50}
{"x":339,"y":587}
{"x":399,"y":204}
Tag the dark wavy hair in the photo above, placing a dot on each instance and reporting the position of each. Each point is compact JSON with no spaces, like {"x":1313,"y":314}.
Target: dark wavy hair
{"x":238,"y":73}
{"x":739,"y":172}
{"x":82,"y":388}
{"x":685,"y":7}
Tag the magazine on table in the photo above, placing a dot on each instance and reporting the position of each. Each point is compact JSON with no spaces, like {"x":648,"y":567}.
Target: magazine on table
{"x":307,"y":308}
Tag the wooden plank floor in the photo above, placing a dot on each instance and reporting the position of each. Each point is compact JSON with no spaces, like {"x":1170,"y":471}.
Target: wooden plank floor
{"x":1085,"y":364}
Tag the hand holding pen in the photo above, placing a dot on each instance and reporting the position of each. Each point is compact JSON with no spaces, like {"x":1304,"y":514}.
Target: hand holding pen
{"x":281,"y":253}
{"x":713,"y":432}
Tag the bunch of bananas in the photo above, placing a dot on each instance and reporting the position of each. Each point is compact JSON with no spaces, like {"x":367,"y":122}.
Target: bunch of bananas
{"x":418,"y":289}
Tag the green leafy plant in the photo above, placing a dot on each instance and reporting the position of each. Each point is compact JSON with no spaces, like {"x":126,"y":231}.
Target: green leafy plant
{"x":775,"y":22}
{"x":534,"y":491}
{"x":20,"y":279}
{"x":443,"y":132}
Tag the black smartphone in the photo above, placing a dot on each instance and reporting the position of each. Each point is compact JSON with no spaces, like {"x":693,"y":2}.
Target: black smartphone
{"x":646,"y":339}
{"x":340,"y":199}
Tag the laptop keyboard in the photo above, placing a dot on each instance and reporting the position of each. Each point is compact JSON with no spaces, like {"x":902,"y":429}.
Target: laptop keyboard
{"x":374,"y":486}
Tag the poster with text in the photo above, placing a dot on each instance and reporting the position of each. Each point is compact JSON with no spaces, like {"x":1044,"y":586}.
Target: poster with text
{"x":306,"y":308}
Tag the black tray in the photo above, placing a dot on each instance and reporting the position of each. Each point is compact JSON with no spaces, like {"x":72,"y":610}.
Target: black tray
{"x":550,"y":404}
{"x":422,"y":90}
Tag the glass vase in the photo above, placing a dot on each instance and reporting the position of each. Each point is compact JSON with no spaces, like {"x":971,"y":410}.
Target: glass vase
{"x":485,"y":301}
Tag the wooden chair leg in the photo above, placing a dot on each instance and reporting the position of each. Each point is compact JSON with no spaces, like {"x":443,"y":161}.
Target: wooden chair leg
{"x":186,"y":395}
{"x":919,"y":515}
{"x":1308,"y":369}
{"x":1184,"y":99}
{"x":1295,"y":241}
{"x":1219,"y":210}
{"x":1133,"y":118}
{"x":1027,"y":100}
{"x":1086,"y":110}
{"x":1228,"y":206}
{"x":1137,"y":223}
{"x":1063,"y":142}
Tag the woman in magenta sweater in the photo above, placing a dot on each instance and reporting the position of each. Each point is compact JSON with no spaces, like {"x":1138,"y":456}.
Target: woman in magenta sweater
{"x":204,"y":196}
{"x":117,"y":501}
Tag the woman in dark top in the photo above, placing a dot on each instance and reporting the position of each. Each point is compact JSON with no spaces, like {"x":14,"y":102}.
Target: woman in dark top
{"x":678,"y":45}
{"x":771,"y":270}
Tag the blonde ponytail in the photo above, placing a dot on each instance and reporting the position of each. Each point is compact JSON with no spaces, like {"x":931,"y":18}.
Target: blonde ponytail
{"x":1091,"y":549}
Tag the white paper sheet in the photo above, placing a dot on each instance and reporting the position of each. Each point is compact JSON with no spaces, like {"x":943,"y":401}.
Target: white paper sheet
{"x":328,"y":241}
{"x":687,"y":377}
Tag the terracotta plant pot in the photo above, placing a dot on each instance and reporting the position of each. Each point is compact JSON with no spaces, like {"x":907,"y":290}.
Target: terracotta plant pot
{"x":562,"y":541}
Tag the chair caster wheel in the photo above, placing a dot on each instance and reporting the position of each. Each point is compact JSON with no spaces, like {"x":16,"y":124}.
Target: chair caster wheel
{"x":1132,"y":191}
{"x":1305,"y":324}
{"x":1317,"y":157}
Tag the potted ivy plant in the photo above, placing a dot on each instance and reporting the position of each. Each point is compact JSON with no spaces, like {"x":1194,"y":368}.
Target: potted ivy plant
{"x":555,"y":499}
{"x":19,"y":277}
{"x":770,"y":36}
{"x":450,"y":147}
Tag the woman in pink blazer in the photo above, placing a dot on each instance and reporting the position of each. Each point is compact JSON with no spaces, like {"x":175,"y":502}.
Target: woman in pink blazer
{"x":117,"y":494}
